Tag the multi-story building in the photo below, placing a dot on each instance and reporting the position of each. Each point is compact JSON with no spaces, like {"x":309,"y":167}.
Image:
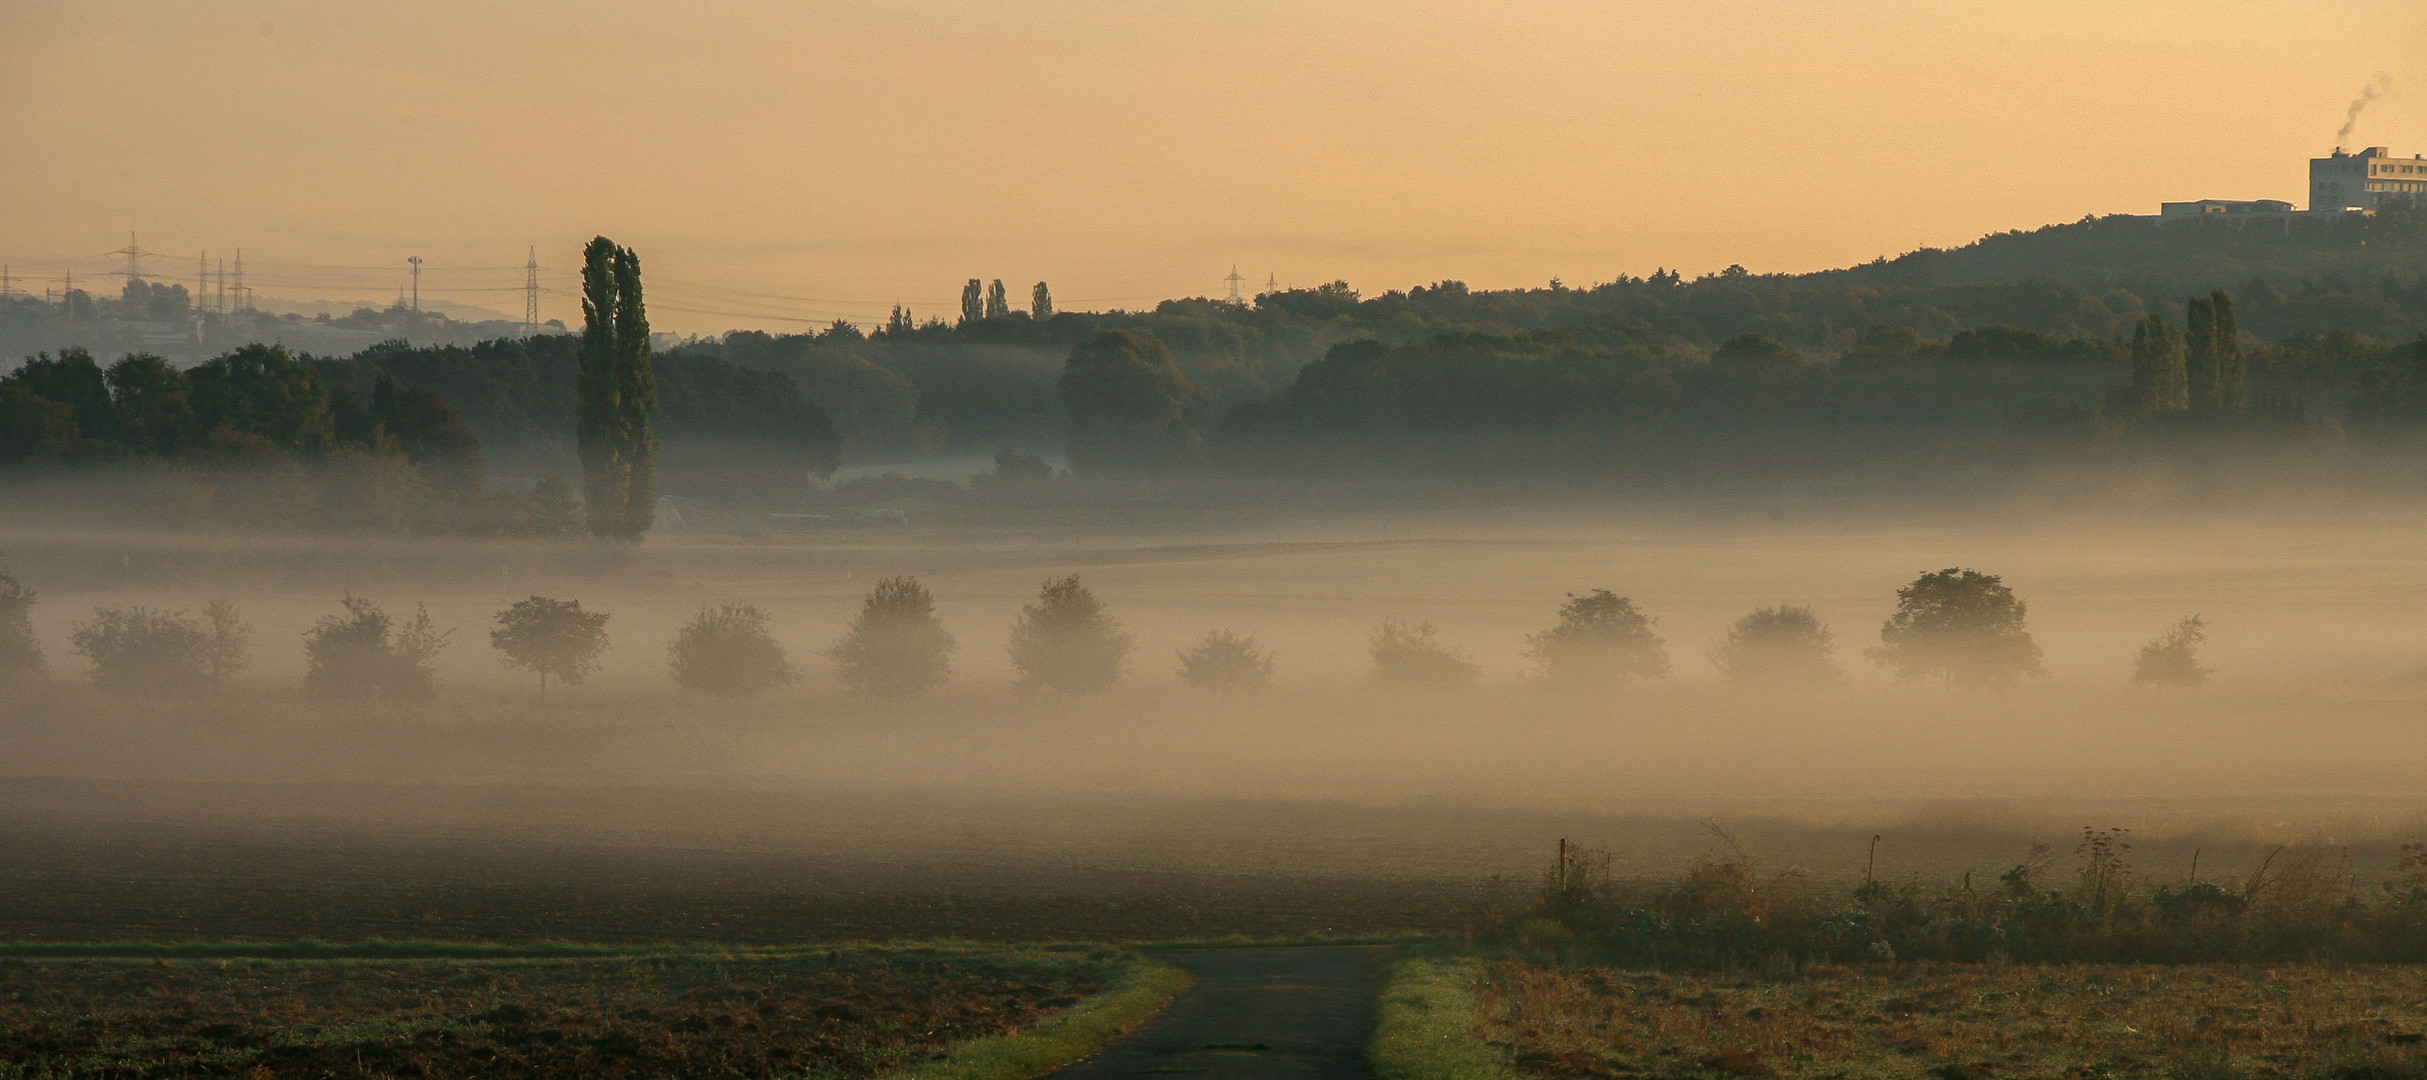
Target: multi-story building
{"x":2365,"y":181}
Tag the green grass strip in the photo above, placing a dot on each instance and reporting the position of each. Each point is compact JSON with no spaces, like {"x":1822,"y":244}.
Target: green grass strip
{"x":1427,"y":1026}
{"x":1141,"y":990}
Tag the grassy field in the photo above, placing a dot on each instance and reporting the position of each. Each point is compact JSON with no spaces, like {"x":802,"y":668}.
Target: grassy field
{"x":826,"y":1013}
{"x":2024,"y":1022}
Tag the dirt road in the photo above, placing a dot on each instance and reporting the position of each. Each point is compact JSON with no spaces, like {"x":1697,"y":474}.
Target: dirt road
{"x":1254,"y":1013}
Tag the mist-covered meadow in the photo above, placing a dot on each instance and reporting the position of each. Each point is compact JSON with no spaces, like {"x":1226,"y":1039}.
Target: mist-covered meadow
{"x":2306,"y":732}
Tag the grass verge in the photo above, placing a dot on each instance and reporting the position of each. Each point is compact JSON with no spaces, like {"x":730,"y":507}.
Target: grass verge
{"x":1142,"y":989}
{"x":1427,"y":1027}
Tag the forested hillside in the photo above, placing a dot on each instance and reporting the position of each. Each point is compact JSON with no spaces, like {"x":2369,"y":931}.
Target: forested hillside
{"x":2022,"y":335}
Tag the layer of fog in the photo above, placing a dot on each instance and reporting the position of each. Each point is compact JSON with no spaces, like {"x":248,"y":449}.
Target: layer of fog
{"x":2309,"y":731}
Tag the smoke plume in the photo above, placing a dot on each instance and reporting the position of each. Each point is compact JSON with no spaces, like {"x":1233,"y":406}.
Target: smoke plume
{"x":2376,"y":88}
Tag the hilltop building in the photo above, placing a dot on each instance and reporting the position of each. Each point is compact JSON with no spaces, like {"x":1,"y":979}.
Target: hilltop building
{"x":2366,"y":180}
{"x":2204,"y":207}
{"x":2339,"y":184}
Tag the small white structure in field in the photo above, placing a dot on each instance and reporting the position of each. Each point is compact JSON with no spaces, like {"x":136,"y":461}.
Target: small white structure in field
{"x":876,"y":515}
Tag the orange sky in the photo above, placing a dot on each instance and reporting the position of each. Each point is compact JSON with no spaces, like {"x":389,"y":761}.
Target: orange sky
{"x":800,"y":160}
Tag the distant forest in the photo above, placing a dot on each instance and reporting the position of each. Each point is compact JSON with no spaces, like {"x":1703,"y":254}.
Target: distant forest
{"x":2018,"y":339}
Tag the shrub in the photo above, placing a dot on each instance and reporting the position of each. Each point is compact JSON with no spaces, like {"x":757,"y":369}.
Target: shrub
{"x":20,"y":652}
{"x":1408,"y":656}
{"x":1726,"y":912}
{"x":1222,"y":660}
{"x":1600,"y":640}
{"x":1959,"y":625}
{"x":1777,"y":646}
{"x":1066,"y":642}
{"x":140,"y":650}
{"x":2173,"y":659}
{"x":227,"y":641}
{"x":547,"y":636}
{"x":896,"y":647}
{"x":725,"y":651}
{"x":364,"y":654}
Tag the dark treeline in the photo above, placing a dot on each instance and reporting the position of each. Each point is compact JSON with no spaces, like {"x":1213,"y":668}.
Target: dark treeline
{"x":1983,"y":353}
{"x":2019,"y":335}
{"x":395,"y":438}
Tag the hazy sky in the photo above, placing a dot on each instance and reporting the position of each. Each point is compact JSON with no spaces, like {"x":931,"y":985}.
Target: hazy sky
{"x":801,"y":160}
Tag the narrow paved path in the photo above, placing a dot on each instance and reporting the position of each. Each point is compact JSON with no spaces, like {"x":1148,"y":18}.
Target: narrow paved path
{"x":1254,"y":1013}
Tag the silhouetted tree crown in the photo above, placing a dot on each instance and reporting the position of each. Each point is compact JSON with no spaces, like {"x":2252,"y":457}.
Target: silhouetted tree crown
{"x":1778,"y":646}
{"x":1066,"y":642}
{"x":1226,"y":661}
{"x":1600,"y":639}
{"x":726,"y":651}
{"x":2159,"y":384}
{"x":616,"y":393}
{"x":1127,"y":403}
{"x":139,"y":650}
{"x":2173,"y":658}
{"x":365,"y":654}
{"x":20,"y":651}
{"x":1410,"y":656}
{"x":1962,"y":626}
{"x":897,"y":646}
{"x":550,"y":638}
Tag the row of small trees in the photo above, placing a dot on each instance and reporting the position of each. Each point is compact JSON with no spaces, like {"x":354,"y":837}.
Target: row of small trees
{"x":1958,"y":626}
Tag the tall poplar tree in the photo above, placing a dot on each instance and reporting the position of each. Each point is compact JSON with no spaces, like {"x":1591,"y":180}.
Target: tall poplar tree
{"x":2199,"y":354}
{"x":973,"y":301}
{"x":2157,"y":368}
{"x":998,"y":304}
{"x":1040,"y":303}
{"x":604,"y":480}
{"x":2232,"y":372}
{"x":636,"y":397}
{"x":616,"y":392}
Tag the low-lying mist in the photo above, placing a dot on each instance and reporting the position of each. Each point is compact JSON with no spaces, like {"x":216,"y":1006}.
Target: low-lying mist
{"x":2307,"y":732}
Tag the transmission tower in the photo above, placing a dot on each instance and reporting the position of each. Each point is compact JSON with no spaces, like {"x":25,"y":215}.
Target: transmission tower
{"x":202,"y":280}
{"x":134,"y":258}
{"x":530,"y":295}
{"x":219,"y":302}
{"x":1234,"y":281}
{"x":244,"y":296}
{"x":6,"y":288}
{"x":1272,"y":282}
{"x":416,"y":261}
